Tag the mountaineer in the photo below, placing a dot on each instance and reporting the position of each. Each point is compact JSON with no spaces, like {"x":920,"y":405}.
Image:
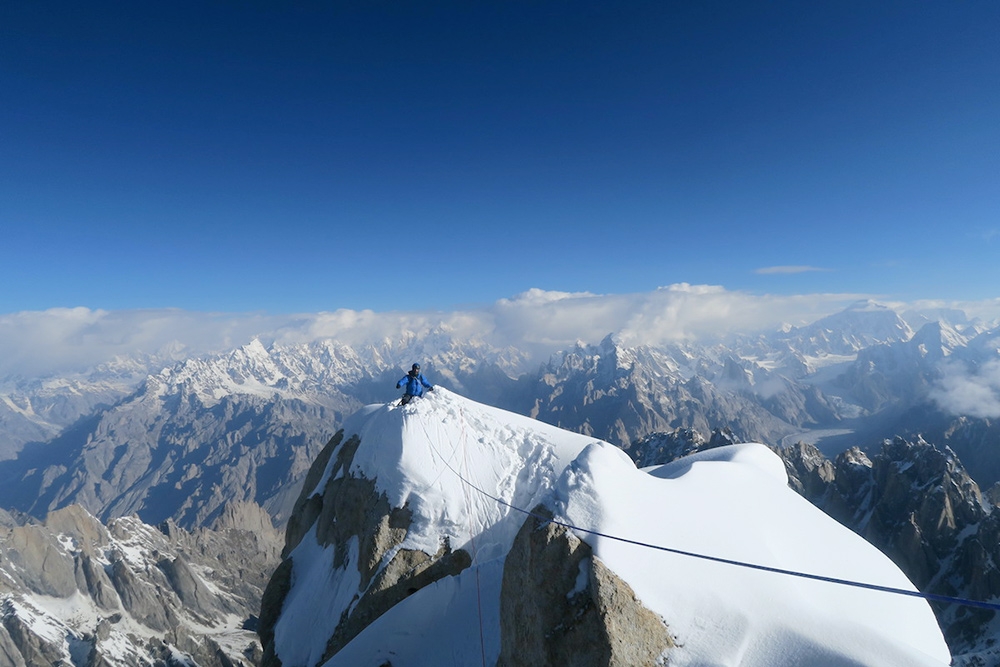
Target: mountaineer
{"x":415,"y":384}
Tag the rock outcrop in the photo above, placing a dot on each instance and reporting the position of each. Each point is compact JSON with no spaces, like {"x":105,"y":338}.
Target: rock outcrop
{"x":659,"y":448}
{"x":350,"y":510}
{"x":560,"y":605}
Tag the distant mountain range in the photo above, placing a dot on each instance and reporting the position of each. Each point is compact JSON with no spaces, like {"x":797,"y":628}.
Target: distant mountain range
{"x":179,"y":441}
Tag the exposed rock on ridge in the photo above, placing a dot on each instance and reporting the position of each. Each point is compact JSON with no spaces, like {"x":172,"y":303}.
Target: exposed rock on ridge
{"x":548,"y":616}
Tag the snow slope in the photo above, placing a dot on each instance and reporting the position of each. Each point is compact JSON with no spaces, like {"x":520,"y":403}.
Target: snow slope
{"x":444,"y":456}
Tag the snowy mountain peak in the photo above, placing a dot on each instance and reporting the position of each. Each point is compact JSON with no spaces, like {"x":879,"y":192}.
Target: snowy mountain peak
{"x":866,"y":306}
{"x":410,"y":543}
{"x":938,"y":339}
{"x":863,"y":324}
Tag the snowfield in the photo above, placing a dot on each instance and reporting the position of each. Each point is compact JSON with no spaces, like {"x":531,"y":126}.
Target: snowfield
{"x":445,"y":456}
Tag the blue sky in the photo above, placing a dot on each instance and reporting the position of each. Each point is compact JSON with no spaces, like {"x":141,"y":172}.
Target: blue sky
{"x":256,"y":157}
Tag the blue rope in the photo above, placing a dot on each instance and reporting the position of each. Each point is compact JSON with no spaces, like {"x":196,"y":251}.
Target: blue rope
{"x":753,"y":566}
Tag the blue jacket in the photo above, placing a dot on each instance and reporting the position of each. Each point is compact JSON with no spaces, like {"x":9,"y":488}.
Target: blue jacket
{"x":414,"y":384}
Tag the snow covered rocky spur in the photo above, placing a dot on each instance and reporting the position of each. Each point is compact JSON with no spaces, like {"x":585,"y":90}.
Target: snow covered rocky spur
{"x":407,"y":547}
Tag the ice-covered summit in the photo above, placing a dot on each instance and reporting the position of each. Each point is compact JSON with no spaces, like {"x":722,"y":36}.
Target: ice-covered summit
{"x":410,"y":545}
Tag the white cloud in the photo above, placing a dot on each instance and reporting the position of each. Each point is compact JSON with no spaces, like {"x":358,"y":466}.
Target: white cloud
{"x":537,"y":321}
{"x":683,"y":312}
{"x":535,"y":296}
{"x":356,"y":327}
{"x":986,"y":311}
{"x":976,"y":394}
{"x":36,"y":343}
{"x":771,"y":270}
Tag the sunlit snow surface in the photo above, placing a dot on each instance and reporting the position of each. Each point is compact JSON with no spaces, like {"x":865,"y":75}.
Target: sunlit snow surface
{"x":732,"y":502}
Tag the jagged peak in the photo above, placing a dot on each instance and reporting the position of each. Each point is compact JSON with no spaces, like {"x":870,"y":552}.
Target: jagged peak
{"x":943,"y":337}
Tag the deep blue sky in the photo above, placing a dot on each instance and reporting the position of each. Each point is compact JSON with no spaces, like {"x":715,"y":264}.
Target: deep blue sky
{"x":243,"y":156}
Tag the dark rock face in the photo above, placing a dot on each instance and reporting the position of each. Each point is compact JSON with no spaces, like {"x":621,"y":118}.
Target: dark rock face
{"x":97,"y":584}
{"x":559,"y":605}
{"x":307,"y":507}
{"x":139,"y":598}
{"x":10,"y":654}
{"x":918,"y":505}
{"x":37,"y":561}
{"x":192,"y":591}
{"x":33,"y":649}
{"x":813,"y":472}
{"x":660,"y":448}
{"x":407,"y":572}
{"x":974,"y":439}
{"x":270,"y":609}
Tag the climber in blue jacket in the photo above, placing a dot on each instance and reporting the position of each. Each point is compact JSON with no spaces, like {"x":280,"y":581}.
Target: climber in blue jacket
{"x":415,"y":384}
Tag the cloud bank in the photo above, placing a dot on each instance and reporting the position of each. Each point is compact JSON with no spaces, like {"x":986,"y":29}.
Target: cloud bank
{"x":66,"y":340}
{"x":37,"y":343}
{"x":975,"y":393}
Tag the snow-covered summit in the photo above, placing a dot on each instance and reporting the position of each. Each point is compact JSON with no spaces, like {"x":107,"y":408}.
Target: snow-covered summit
{"x":402,"y":550}
{"x":863,"y":324}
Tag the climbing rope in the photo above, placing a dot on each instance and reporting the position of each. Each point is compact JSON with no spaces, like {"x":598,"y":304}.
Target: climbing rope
{"x":933,"y":597}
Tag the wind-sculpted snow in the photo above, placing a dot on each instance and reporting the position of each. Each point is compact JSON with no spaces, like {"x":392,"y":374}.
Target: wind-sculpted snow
{"x":424,"y":452}
{"x":734,"y":502}
{"x":460,"y":468}
{"x":417,"y":455}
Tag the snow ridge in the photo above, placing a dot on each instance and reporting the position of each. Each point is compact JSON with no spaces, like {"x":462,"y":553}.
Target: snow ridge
{"x":732,"y":502}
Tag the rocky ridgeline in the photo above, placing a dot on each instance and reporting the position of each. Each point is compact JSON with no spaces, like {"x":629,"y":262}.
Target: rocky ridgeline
{"x":620,"y":393}
{"x":76,"y":592}
{"x":917,"y":504}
